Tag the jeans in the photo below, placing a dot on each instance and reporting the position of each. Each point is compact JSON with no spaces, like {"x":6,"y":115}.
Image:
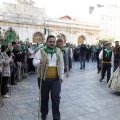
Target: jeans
{"x":93,"y":57}
{"x":82,"y":62}
{"x":116,"y":64}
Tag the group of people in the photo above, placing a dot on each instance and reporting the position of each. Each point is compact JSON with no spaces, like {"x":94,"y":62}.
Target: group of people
{"x":52,"y":61}
{"x":107,"y":57}
{"x":19,"y":59}
{"x":85,"y":53}
{"x":15,"y":64}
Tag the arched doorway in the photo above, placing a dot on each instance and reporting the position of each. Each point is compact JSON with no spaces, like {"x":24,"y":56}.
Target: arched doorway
{"x":81,"y":39}
{"x":37,"y":37}
{"x":62,"y":37}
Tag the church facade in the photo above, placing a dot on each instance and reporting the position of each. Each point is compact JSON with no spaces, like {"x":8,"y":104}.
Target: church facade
{"x":33,"y":24}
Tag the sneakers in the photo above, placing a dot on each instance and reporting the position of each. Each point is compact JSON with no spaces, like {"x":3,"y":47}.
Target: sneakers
{"x":6,"y":96}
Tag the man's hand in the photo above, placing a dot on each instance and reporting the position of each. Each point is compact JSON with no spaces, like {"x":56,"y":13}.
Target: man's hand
{"x":42,"y":60}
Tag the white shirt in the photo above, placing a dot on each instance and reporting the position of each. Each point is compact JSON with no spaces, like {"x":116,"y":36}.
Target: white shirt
{"x":31,"y":53}
{"x":101,"y":57}
{"x":52,"y":62}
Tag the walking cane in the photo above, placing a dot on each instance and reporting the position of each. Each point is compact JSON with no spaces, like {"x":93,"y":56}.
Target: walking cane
{"x":1,"y":99}
{"x":39,"y":106}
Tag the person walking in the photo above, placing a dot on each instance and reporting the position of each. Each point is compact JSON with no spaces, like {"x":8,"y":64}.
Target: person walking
{"x":98,"y":49}
{"x":82,"y":51}
{"x":107,"y":57}
{"x":65,"y":56}
{"x":70,"y":54}
{"x":116,"y":51}
{"x":50,"y":61}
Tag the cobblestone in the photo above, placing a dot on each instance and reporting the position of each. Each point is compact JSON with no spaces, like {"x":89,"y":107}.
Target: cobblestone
{"x":83,"y":97}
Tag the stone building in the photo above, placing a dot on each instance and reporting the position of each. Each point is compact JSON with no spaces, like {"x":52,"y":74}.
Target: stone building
{"x":31,"y":23}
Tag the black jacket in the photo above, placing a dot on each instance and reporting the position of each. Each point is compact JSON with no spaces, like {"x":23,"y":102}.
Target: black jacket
{"x":18,"y":55}
{"x":82,"y":50}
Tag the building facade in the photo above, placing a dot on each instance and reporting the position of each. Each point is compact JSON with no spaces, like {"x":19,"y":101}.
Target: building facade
{"x":33,"y":24}
{"x":110,"y":22}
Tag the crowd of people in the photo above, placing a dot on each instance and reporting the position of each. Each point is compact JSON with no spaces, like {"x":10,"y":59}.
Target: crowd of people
{"x":15,"y":64}
{"x":85,"y":53}
{"x":51,"y":61}
{"x":106,"y":56}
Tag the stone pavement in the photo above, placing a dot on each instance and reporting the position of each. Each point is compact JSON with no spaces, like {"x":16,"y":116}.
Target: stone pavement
{"x":83,"y":97}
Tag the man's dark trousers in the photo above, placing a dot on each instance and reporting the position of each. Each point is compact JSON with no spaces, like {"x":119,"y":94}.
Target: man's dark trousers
{"x":116,"y":64}
{"x":98,"y":64}
{"x":82,"y":62}
{"x":106,"y":67}
{"x":52,"y":85}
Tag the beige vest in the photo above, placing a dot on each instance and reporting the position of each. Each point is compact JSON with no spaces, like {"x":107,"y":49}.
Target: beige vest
{"x":49,"y":72}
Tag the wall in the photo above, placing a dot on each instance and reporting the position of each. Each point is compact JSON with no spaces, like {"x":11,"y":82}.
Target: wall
{"x":71,"y":33}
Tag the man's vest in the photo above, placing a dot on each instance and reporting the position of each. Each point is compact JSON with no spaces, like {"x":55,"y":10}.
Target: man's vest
{"x":105,"y":58}
{"x":49,"y":72}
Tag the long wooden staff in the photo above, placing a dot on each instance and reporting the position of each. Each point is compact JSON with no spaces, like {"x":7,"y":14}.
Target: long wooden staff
{"x":40,"y":84}
{"x":39,"y":106}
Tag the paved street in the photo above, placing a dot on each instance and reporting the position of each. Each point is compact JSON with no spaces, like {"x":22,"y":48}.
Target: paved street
{"x":83,"y":97}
